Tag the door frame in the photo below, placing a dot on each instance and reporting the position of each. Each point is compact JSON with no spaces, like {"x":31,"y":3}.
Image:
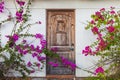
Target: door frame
{"x":63,"y":76}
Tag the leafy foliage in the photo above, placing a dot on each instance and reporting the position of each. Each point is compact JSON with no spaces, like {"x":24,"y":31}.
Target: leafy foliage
{"x":17,"y":47}
{"x":106,"y":25}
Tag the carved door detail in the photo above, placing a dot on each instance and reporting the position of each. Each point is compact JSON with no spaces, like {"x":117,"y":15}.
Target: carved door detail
{"x":61,"y":34}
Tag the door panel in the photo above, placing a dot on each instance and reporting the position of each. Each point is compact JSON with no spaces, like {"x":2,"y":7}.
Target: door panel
{"x":61,"y":34}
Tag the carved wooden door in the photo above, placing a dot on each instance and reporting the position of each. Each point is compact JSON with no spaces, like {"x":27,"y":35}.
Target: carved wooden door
{"x":61,"y":34}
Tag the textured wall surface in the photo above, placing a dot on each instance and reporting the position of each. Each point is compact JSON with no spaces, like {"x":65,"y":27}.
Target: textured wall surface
{"x":83,"y":10}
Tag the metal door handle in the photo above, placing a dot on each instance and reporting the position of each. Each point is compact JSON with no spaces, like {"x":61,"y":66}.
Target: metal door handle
{"x":72,"y":48}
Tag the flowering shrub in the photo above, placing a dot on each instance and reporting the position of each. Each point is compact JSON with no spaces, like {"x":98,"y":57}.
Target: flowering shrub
{"x":105,"y":24}
{"x":18,"y":46}
{"x":1,"y":6}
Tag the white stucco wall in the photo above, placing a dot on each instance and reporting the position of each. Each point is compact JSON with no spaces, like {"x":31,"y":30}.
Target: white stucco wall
{"x":83,"y":10}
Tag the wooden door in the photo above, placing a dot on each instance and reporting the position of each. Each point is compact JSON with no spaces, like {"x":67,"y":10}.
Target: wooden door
{"x":61,"y":34}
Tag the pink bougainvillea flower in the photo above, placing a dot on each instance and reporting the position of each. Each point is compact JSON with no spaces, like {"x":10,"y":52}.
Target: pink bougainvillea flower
{"x":53,"y":64}
{"x":99,"y":36}
{"x":19,"y":13}
{"x":19,"y":16}
{"x":26,"y":45}
{"x":19,"y":19}
{"x":34,"y":55}
{"x":110,"y":29}
{"x":17,"y":47}
{"x":38,"y":35}
{"x":25,"y":52}
{"x":112,"y":12}
{"x":96,"y":19}
{"x":43,"y":43}
{"x":39,"y":22}
{"x":87,"y":50}
{"x":84,"y":52}
{"x":95,"y":30}
{"x":21,"y":51}
{"x":32,"y":47}
{"x":32,"y":71}
{"x":7,"y":36}
{"x":102,"y":18}
{"x":68,"y":63}
{"x":24,"y":41}
{"x":102,"y":10}
{"x":15,"y":37}
{"x":12,"y":39}
{"x":98,"y":13}
{"x":54,"y":49}
{"x":94,"y":52}
{"x":1,"y":6}
{"x":110,"y":21}
{"x":102,"y":44}
{"x":38,"y":65}
{"x":92,"y":22}
{"x":29,"y":64}
{"x":64,"y":61}
{"x":99,"y":70}
{"x":37,"y":49}
{"x":112,"y":7}
{"x":97,"y":48}
{"x":40,"y":58}
{"x":73,"y":66}
{"x":21,"y":3}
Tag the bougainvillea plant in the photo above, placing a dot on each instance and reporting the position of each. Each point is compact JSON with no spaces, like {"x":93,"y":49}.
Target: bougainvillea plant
{"x":105,"y":25}
{"x":18,"y":46}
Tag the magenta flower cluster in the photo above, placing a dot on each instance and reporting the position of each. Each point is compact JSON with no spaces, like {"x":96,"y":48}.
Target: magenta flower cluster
{"x":87,"y":50}
{"x":21,"y":3}
{"x":13,"y":38}
{"x":54,"y":64}
{"x":54,"y":49}
{"x":29,"y":48}
{"x":68,"y":63}
{"x":19,"y":13}
{"x":65,"y":62}
{"x":105,"y":25}
{"x":19,"y":45}
{"x":99,"y":70}
{"x":1,"y":6}
{"x":110,"y":28}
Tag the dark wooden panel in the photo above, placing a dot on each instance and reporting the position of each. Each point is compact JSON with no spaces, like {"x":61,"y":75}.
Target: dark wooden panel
{"x":61,"y":34}
{"x":60,"y":77}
